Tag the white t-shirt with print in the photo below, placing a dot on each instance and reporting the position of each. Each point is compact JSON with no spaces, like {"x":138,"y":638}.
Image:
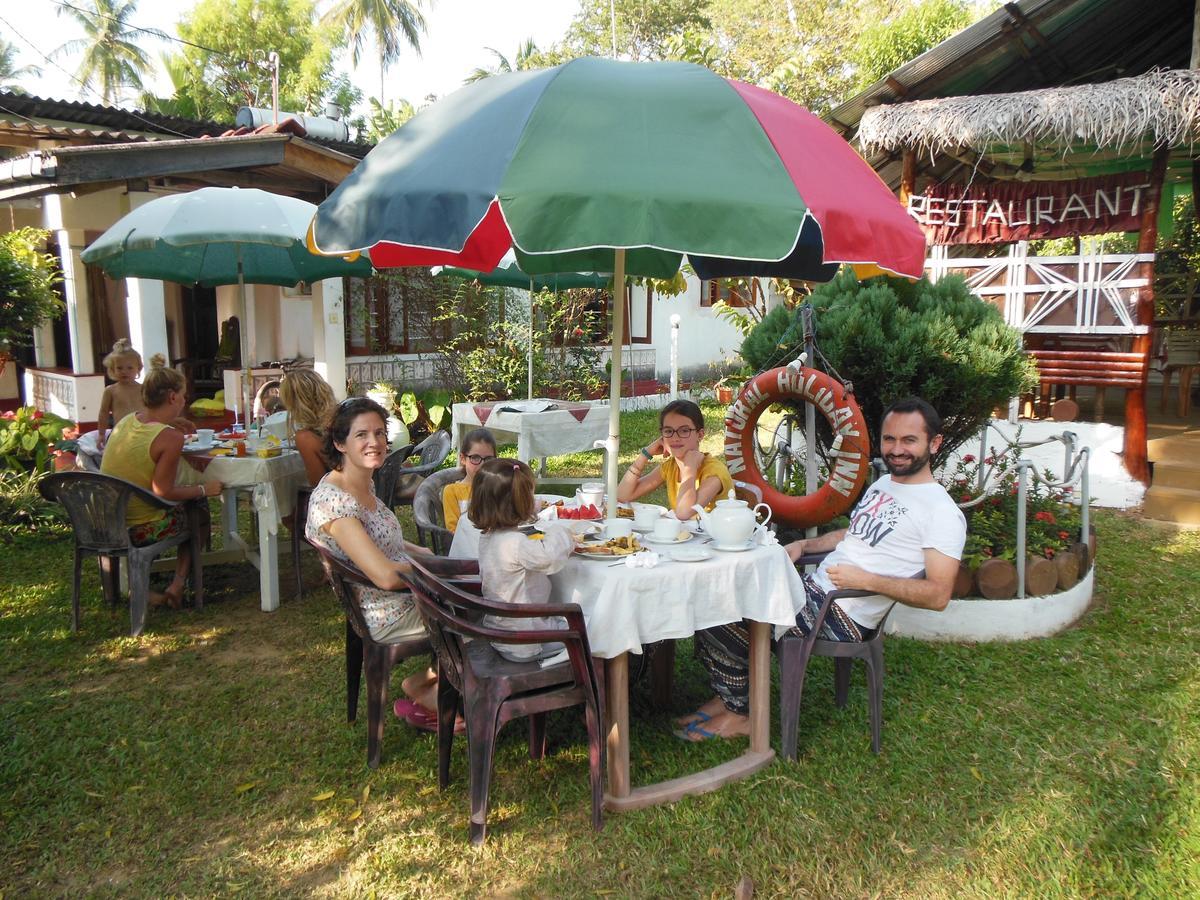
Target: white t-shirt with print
{"x":891,"y":527}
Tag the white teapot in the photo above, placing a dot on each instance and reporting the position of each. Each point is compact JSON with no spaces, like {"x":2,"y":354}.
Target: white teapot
{"x":733,"y":521}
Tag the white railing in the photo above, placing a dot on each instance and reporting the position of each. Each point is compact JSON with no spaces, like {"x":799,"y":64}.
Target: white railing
{"x":1087,"y":294}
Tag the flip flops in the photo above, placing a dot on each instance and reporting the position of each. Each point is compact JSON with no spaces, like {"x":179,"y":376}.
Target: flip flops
{"x":421,"y":718}
{"x":685,"y":734}
{"x":697,"y":718}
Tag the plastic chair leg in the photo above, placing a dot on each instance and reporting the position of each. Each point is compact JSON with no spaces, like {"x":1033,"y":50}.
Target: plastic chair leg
{"x":378,"y":668}
{"x":76,"y":582}
{"x":448,"y":702}
{"x":874,"y":661}
{"x":537,"y":735}
{"x":793,"y":666}
{"x":354,"y":666}
{"x":197,"y":543}
{"x":841,"y":680}
{"x":482,"y":717}
{"x":139,"y":590}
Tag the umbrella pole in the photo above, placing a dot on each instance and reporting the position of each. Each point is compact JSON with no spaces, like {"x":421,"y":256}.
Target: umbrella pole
{"x":614,"y":378}
{"x":243,"y":339}
{"x":529,"y":389}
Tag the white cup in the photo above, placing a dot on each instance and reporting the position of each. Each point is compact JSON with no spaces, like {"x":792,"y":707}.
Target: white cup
{"x":667,"y":529}
{"x":645,"y":515}
{"x":592,"y":493}
{"x":204,"y":437}
{"x":615,"y":528}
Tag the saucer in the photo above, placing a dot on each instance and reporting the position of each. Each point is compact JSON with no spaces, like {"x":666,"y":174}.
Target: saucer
{"x":736,"y":548}
{"x":691,"y":554}
{"x":651,"y":539}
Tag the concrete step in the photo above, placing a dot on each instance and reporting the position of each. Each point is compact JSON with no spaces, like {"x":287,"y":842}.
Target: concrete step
{"x":1172,"y":504}
{"x":1182,"y":450}
{"x":1177,"y":475}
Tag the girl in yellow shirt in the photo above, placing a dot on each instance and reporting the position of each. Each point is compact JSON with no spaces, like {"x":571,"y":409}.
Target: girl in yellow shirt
{"x":691,"y":477}
{"x":478,"y":447}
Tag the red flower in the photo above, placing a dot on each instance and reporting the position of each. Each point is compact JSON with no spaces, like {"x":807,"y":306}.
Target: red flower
{"x":1062,"y":535}
{"x":1046,"y":516}
{"x":37,"y":414}
{"x":1049,"y":551}
{"x":969,"y":458}
{"x":578,"y":332}
{"x":989,"y":460}
{"x":965,"y":498}
{"x":987,"y":551}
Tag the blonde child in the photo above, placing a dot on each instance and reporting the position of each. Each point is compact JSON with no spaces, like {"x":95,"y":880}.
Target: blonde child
{"x":513,"y":567}
{"x":477,"y":448}
{"x":691,"y":477}
{"x":124,"y":365}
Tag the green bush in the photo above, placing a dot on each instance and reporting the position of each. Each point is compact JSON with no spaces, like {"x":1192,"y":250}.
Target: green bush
{"x":892,"y":338}
{"x":27,"y":281}
{"x":24,"y":510}
{"x":27,"y":436}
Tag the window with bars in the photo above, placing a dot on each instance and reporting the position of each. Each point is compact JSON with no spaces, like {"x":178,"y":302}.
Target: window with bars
{"x":740,"y":292}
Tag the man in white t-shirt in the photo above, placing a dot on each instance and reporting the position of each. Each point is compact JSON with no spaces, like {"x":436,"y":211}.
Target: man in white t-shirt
{"x":904,"y":523}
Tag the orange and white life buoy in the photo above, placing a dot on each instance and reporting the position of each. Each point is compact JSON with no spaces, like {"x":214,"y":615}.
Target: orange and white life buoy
{"x":851,"y":443}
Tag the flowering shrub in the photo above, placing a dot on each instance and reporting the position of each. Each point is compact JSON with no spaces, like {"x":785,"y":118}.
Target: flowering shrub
{"x":1052,"y":521}
{"x":27,"y":437}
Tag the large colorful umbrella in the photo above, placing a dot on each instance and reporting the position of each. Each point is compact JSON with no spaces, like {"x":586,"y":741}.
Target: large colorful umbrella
{"x":597,"y":165}
{"x":215,"y":236}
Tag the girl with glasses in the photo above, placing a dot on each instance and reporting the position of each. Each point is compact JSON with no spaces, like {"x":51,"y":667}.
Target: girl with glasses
{"x":477,"y":448}
{"x":690,"y":476}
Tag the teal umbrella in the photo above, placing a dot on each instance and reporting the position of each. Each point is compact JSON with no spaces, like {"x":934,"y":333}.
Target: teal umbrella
{"x":509,"y":274}
{"x":216,"y":236}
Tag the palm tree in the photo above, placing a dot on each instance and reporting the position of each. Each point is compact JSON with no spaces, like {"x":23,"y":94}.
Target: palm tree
{"x":389,"y":21}
{"x":523,"y":60}
{"x":110,"y":56}
{"x":10,"y":71}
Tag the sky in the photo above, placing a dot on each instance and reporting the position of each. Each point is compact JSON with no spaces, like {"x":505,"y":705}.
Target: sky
{"x":457,"y":35}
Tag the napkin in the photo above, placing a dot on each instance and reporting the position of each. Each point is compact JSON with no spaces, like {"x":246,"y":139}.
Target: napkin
{"x":767,"y":538}
{"x":646,"y":560}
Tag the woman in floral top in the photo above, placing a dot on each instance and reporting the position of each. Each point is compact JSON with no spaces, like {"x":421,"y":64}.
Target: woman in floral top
{"x":346,"y":519}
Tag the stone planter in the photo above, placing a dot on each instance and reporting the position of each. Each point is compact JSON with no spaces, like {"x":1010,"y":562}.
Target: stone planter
{"x":995,"y":620}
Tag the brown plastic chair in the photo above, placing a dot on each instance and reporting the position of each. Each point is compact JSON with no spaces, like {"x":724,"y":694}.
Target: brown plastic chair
{"x":795,"y":651}
{"x":387,"y":476}
{"x":299,"y":521}
{"x":492,"y":690}
{"x":428,"y":512}
{"x":362,"y":649}
{"x":96,"y":504}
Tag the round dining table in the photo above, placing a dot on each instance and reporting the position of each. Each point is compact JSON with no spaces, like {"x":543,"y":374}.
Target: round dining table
{"x":627,"y":607}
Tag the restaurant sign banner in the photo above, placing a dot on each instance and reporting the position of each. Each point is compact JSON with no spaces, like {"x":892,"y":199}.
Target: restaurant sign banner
{"x":1002,"y":212}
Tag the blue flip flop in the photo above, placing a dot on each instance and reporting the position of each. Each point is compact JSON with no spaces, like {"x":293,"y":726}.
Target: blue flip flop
{"x":684,"y":734}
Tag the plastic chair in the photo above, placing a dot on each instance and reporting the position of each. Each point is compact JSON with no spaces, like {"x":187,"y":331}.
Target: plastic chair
{"x":427,"y":511}
{"x":96,"y":505}
{"x":794,"y":652}
{"x":492,"y":690}
{"x":362,"y":649}
{"x":387,"y":476}
{"x":432,"y":453}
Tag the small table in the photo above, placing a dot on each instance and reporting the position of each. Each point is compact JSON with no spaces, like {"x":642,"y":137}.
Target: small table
{"x":273,"y":482}
{"x":568,"y":427}
{"x":626,"y":608}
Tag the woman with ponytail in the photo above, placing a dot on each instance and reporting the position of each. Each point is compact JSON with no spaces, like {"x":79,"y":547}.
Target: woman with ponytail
{"x":144,"y":448}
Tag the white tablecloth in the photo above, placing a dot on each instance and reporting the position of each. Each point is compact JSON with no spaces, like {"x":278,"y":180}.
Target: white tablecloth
{"x":568,"y":429}
{"x":626,"y":608}
{"x":274,"y":481}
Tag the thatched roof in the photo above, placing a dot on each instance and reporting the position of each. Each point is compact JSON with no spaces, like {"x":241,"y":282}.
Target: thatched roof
{"x":1162,"y":105}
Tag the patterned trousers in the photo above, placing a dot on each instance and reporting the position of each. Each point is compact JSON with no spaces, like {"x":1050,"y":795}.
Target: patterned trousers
{"x":725,"y":650}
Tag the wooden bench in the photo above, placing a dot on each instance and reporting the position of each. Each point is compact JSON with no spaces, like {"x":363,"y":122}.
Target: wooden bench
{"x":1100,"y":369}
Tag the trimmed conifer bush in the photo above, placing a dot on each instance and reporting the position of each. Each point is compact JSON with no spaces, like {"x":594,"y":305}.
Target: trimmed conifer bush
{"x":892,"y":338}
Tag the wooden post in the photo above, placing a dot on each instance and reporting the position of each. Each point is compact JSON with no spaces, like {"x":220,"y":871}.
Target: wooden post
{"x":1136,"y":462}
{"x":908,"y":173}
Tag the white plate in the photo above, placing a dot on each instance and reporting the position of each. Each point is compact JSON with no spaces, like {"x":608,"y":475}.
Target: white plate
{"x":736,"y":548}
{"x":651,"y":539}
{"x":578,"y":526}
{"x":691,"y":554}
{"x":609,"y":557}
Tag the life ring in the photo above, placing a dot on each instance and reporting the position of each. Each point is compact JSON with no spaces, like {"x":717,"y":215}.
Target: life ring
{"x":851,"y":442}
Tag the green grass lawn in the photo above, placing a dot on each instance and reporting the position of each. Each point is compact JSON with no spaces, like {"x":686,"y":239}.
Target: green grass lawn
{"x":212,"y":757}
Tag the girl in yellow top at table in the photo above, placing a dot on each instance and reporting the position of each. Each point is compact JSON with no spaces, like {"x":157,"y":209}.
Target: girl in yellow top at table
{"x":691,"y":477}
{"x":478,"y":447}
